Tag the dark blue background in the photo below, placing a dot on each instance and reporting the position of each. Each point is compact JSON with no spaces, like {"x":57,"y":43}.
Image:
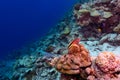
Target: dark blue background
{"x":22,"y":21}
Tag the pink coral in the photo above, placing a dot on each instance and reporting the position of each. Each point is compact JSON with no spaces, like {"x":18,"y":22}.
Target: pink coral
{"x":105,"y":66}
{"x":106,"y":61}
{"x":78,"y":65}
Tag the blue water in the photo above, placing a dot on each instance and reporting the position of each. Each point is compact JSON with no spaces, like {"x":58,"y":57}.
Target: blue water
{"x":23,"y":21}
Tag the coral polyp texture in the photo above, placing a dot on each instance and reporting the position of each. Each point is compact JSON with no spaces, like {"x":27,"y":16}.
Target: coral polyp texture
{"x":107,"y":62}
{"x":105,"y":67}
{"x":76,"y":58}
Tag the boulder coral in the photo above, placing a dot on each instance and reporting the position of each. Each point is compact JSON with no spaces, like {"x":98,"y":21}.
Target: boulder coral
{"x":77,"y":64}
{"x":106,"y":66}
{"x":72,"y":63}
{"x":107,"y":62}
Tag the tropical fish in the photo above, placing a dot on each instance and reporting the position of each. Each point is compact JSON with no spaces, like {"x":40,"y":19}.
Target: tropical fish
{"x":75,"y":41}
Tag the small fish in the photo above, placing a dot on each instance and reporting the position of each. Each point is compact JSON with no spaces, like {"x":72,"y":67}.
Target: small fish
{"x":75,"y":41}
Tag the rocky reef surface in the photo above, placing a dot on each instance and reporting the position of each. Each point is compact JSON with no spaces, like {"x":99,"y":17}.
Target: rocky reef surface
{"x":84,"y":45}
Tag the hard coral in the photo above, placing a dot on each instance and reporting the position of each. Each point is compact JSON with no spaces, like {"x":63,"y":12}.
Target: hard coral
{"x":117,"y":29}
{"x":104,"y":67}
{"x":84,"y":19}
{"x":107,"y":14}
{"x":102,"y":15}
{"x":94,"y":13}
{"x":106,"y":61}
{"x":76,"y":58}
{"x":78,"y":65}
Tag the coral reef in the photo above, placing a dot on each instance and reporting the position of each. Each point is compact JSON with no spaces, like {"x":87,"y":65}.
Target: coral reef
{"x":95,"y":56}
{"x":101,"y":16}
{"x":26,"y":61}
{"x":24,"y":68}
{"x":112,"y":39}
{"x":76,"y":58}
{"x":107,"y":62}
{"x":31,"y":73}
{"x":105,"y":66}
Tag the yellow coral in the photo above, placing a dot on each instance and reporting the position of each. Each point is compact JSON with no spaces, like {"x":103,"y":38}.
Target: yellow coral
{"x":94,"y":13}
{"x":83,"y":11}
{"x":107,"y":14}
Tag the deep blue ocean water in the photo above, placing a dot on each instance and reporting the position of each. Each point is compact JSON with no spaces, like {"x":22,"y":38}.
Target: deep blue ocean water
{"x":23,"y":21}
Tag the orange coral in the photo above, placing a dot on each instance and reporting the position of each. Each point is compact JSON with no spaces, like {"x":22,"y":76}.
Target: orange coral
{"x":76,"y":58}
{"x":78,"y":65}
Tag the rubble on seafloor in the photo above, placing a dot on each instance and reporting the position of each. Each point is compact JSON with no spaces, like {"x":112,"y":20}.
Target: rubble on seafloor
{"x":93,"y":58}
